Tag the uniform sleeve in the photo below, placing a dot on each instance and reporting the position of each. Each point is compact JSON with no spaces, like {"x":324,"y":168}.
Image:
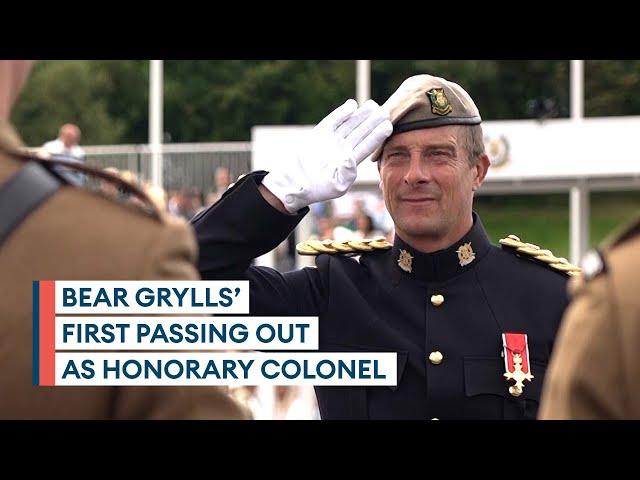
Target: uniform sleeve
{"x":176,"y":403}
{"x":585,"y":379}
{"x":172,"y":256}
{"x":241,"y":226}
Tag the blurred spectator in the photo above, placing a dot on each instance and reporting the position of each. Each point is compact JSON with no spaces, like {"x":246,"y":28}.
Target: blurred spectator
{"x":66,"y":147}
{"x":382,"y":219}
{"x":173,"y":201}
{"x":157,"y":195}
{"x":67,"y":143}
{"x":221,"y":180}
{"x":251,"y":397}
{"x":359,"y":207}
{"x":365,"y":227}
{"x":185,"y":203}
{"x":180,"y":204}
{"x":195,"y":201}
{"x":110,"y":188}
{"x":327,"y":229}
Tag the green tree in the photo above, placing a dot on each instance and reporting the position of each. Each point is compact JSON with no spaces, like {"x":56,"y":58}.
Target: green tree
{"x":61,"y":92}
{"x":223,"y":100}
{"x":611,"y":87}
{"x":127,"y":93}
{"x":502,"y":89}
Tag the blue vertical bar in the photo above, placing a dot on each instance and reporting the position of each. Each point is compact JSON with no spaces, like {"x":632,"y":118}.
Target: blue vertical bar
{"x":36,"y":332}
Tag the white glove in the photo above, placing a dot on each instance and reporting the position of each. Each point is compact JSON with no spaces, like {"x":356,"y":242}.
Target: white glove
{"x":327,"y":166}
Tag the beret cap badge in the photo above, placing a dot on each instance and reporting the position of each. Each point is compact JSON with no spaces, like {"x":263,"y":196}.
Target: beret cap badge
{"x":439,"y":102}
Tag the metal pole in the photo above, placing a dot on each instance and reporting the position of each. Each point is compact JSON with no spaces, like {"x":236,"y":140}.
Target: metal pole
{"x":363,"y":80}
{"x":579,"y":196}
{"x":578,"y":222}
{"x":155,"y":120}
{"x":577,"y":90}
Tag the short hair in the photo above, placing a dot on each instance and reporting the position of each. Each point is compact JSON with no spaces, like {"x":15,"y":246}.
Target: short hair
{"x":472,"y":140}
{"x":71,"y":126}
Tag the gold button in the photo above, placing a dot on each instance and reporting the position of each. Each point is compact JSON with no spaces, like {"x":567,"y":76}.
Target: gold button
{"x":435,"y":358}
{"x":437,"y":300}
{"x":515,"y":391}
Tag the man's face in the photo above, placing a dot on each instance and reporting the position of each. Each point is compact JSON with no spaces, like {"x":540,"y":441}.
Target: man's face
{"x":428,"y":182}
{"x":223,"y":178}
{"x":69,"y":137}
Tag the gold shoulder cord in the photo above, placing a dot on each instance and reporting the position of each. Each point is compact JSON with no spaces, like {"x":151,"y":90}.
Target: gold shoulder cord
{"x":545,"y":256}
{"x":332,"y":247}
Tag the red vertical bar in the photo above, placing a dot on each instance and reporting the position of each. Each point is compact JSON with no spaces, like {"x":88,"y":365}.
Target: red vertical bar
{"x":47,"y":333}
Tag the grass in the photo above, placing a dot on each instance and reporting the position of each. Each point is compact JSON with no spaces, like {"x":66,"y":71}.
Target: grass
{"x":544,"y":219}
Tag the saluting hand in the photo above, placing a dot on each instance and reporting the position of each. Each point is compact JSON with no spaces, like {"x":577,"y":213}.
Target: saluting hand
{"x":327,"y":166}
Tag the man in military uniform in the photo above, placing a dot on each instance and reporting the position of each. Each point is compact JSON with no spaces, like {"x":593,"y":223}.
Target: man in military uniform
{"x":51,"y":230}
{"x":595,"y":366}
{"x":472,"y":324}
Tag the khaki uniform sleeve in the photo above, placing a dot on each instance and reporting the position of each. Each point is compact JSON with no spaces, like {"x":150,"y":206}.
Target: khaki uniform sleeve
{"x":174,"y":254}
{"x":172,"y":257}
{"x":585,"y":378}
{"x":177,"y":403}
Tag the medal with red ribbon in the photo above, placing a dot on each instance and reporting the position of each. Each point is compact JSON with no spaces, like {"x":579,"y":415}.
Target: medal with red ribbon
{"x":516,"y":361}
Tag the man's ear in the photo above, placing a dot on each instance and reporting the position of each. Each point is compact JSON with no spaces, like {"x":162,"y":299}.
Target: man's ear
{"x":481,"y":168}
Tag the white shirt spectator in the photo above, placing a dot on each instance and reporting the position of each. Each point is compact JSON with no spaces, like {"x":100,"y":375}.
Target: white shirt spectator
{"x":66,"y":147}
{"x":56,"y":148}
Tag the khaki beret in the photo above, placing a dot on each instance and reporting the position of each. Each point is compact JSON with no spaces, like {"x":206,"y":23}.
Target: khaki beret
{"x":424,"y":101}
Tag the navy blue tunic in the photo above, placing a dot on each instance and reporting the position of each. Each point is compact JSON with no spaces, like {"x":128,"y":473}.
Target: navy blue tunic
{"x":371,"y":304}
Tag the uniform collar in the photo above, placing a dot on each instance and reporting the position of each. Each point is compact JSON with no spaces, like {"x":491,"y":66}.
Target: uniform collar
{"x":444,"y":264}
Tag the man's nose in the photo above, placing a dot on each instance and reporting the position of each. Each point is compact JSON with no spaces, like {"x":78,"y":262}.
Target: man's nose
{"x":418,"y":171}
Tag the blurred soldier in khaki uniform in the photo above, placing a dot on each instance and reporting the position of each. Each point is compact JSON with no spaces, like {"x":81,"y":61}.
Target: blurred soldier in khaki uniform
{"x":596,"y":362}
{"x":75,"y":234}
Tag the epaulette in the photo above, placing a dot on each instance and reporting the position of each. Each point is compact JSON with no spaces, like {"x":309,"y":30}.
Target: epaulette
{"x":545,"y":257}
{"x":348,"y":247}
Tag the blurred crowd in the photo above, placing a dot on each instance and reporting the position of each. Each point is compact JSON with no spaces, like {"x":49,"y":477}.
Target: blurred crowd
{"x":355,"y":216}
